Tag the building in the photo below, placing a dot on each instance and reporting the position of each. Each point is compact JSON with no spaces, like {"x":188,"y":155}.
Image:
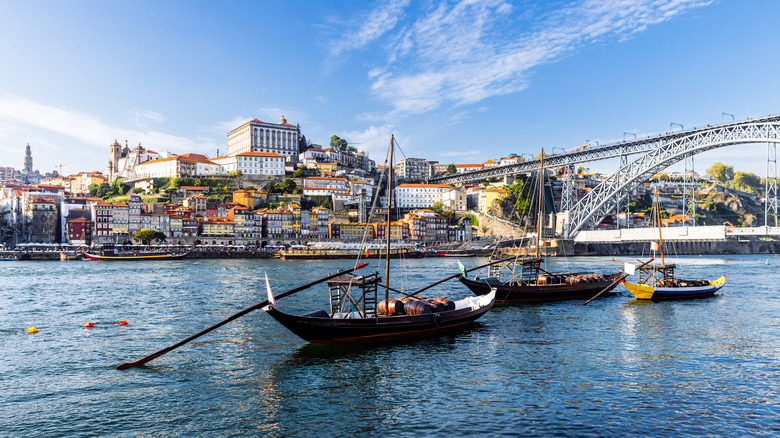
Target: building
{"x":28,"y":162}
{"x":252,"y":164}
{"x":179,"y":166}
{"x":351,"y":231}
{"x":122,"y":161}
{"x":79,"y":231}
{"x":45,"y":223}
{"x":487,"y":197}
{"x":413,"y":169}
{"x":454,"y":199}
{"x":426,"y":226}
{"x":412,"y":196}
{"x":258,"y":136}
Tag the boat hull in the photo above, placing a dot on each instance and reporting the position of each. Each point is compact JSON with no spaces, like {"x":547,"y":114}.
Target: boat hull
{"x":320,"y":328}
{"x":646,"y":292}
{"x":519,"y":294}
{"x":119,"y":258}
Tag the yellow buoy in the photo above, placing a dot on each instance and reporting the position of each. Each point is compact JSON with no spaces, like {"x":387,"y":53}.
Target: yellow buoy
{"x":32,"y":330}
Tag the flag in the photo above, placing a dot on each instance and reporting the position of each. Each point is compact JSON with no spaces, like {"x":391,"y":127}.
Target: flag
{"x":462,"y":269}
{"x":365,"y":251}
{"x":629,"y":268}
{"x":654,"y":246}
{"x":270,"y":294}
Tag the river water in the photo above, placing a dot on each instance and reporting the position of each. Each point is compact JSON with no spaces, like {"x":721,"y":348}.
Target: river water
{"x":616,"y":367}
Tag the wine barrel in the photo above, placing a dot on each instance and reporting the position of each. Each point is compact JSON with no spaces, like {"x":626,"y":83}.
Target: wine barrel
{"x":417,"y":308}
{"x":407,"y":299}
{"x":542,"y":279}
{"x":436,"y":306}
{"x":449,"y":304}
{"x":396,"y":307}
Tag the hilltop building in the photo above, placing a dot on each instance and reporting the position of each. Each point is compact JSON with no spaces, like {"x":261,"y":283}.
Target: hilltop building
{"x":258,"y":136}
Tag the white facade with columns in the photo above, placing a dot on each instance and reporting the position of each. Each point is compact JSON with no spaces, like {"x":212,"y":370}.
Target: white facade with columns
{"x":258,"y":136}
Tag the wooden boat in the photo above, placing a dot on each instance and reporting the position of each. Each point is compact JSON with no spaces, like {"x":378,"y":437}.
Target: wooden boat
{"x":528,"y":283}
{"x":524,"y":281}
{"x":699,"y":289}
{"x":354,"y":317}
{"x":657,"y":282}
{"x":109,"y":254}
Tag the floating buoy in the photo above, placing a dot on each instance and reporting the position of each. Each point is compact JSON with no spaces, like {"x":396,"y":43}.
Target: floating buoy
{"x":767,"y":262}
{"x":32,"y":330}
{"x":613,"y":259}
{"x":122,"y":322}
{"x":89,"y":324}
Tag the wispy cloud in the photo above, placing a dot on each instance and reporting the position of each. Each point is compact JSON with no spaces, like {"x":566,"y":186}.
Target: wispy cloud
{"x":375,"y":140}
{"x":369,"y":27}
{"x":87,"y":129}
{"x":143,"y":117}
{"x":466,"y":51}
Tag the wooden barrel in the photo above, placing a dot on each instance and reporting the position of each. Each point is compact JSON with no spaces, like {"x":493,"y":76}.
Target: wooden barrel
{"x":396,"y":307}
{"x":417,"y":308}
{"x":542,"y":279}
{"x":407,"y":299}
{"x":449,"y":304}
{"x":436,"y":306}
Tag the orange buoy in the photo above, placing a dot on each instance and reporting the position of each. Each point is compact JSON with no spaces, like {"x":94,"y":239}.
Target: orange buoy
{"x":122,"y":322}
{"x":31,"y":330}
{"x":89,"y":324}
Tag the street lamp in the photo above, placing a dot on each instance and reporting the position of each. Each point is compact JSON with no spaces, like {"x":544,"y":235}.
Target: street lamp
{"x":672,"y":124}
{"x":628,"y":133}
{"x":587,"y":142}
{"x":726,"y":114}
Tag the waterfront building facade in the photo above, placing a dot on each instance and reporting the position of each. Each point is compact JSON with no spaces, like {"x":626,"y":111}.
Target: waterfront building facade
{"x":412,"y":196}
{"x":252,"y":164}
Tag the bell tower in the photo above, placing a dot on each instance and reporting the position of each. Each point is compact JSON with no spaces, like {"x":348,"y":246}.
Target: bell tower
{"x":28,"y":164}
{"x":115,"y":152}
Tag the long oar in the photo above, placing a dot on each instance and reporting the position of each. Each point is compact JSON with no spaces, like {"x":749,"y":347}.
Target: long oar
{"x":455,"y":275}
{"x":618,"y":280}
{"x":237,"y":315}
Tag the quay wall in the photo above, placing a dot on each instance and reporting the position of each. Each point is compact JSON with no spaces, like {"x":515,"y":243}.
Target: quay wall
{"x":198,"y":254}
{"x":562,"y":248}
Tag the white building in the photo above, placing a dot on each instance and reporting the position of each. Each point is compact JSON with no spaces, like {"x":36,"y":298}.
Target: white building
{"x":410,"y":196}
{"x":413,"y":169}
{"x":258,"y":136}
{"x":179,"y":166}
{"x":252,"y":163}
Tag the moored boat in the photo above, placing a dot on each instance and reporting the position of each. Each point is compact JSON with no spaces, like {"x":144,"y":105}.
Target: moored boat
{"x":110,"y":254}
{"x":317,"y":253}
{"x":692,"y":289}
{"x":358,"y":316}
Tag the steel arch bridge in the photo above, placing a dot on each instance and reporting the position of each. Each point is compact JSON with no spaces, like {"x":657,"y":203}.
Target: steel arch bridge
{"x":666,"y":151}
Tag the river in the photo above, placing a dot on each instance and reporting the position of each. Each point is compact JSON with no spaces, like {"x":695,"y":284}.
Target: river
{"x":616,"y":367}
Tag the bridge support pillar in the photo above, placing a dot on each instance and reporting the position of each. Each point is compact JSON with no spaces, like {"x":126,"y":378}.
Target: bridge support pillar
{"x":689,"y":191}
{"x":770,"y":191}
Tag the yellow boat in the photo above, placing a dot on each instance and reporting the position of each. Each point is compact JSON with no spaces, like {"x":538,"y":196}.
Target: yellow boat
{"x":648,"y":292}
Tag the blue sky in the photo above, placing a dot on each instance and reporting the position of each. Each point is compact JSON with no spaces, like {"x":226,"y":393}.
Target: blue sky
{"x":455,"y":81}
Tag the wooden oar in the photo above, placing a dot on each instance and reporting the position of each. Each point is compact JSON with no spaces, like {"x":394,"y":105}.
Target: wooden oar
{"x":619,"y":279}
{"x":235,"y":316}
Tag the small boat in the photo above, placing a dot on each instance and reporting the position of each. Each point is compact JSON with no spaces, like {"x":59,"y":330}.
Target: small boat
{"x":109,"y":254}
{"x":457,"y":253}
{"x":70,"y":255}
{"x":657,"y":282}
{"x":680,"y":289}
{"x":356,"y":315}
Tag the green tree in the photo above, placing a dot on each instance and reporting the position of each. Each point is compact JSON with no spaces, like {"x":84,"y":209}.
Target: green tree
{"x":147,"y":236}
{"x":451,"y":169}
{"x":93,"y":188}
{"x":298,"y":173}
{"x":439,"y":209}
{"x":720,"y":172}
{"x":747,"y":182}
{"x":288,"y":185}
{"x":338,"y":143}
{"x":103,"y":190}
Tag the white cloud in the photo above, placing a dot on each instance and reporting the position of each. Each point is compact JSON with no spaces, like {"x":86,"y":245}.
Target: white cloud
{"x":469,"y":153}
{"x":58,"y":129}
{"x":143,"y":117}
{"x":466,"y":51}
{"x":375,"y":140}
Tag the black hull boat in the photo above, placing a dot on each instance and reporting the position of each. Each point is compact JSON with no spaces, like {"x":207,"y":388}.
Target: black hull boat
{"x":507,"y":293}
{"x":321,"y":327}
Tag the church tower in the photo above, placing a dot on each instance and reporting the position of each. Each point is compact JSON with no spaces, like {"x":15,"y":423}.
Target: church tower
{"x":28,"y":165}
{"x":115,"y":153}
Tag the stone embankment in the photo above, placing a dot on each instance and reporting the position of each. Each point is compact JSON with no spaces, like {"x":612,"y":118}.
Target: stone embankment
{"x":198,"y":254}
{"x":562,"y":248}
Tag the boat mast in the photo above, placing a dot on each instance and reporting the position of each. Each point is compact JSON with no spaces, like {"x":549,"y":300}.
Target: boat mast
{"x":539,"y":212}
{"x":387,"y":225}
{"x":658,"y":216}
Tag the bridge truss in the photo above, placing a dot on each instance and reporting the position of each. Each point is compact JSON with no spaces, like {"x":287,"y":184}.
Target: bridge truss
{"x":667,"y":150}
